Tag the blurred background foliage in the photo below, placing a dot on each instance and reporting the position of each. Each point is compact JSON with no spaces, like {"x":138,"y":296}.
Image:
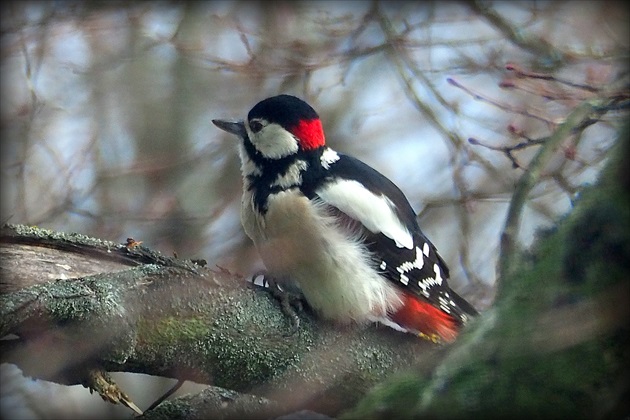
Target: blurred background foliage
{"x":106,"y":112}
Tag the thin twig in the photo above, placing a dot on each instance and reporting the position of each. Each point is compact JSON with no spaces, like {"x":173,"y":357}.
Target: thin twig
{"x":497,"y":104}
{"x":509,"y":150}
{"x":519,"y":72}
{"x":529,"y":179}
{"x":539,"y":46}
{"x":410,"y":91}
{"x":167,"y":394}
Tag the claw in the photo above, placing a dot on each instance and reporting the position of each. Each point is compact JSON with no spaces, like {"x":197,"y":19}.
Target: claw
{"x":290,"y":304}
{"x":290,"y":300}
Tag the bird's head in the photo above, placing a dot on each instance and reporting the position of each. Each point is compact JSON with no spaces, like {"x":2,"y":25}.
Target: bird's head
{"x":278,"y":127}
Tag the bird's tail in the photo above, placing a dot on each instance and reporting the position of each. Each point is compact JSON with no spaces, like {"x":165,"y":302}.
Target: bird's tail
{"x":419,"y":316}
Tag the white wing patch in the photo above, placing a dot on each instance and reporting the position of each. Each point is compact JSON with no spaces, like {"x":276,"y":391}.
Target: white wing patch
{"x":375,"y":212}
{"x":329,"y":156}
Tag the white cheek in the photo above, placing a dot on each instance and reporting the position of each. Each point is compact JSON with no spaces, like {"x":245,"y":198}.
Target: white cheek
{"x":274,"y":142}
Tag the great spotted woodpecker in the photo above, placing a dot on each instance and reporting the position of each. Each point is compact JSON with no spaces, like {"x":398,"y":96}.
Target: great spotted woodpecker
{"x":338,"y":228}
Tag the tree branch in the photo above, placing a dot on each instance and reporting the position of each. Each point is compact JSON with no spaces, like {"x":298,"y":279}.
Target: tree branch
{"x":176,"y":320}
{"x":575,"y":121}
{"x":536,"y":45}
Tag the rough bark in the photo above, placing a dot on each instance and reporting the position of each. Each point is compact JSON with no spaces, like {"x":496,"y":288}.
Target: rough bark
{"x":76,"y":304}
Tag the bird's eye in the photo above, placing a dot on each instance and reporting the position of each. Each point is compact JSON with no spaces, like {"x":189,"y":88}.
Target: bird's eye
{"x":255,"y":126}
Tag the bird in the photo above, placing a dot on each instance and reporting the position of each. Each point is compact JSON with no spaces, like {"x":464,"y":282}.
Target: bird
{"x":341,"y":231}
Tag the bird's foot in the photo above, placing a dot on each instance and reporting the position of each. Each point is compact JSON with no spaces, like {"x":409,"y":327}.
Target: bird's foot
{"x":288,"y":295}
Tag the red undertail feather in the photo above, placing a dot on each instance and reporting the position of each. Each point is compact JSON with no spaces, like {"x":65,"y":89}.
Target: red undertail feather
{"x":310,"y":133}
{"x":428,"y":321}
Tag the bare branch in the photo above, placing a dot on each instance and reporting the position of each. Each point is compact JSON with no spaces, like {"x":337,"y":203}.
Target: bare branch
{"x":536,"y":45}
{"x":519,"y":72}
{"x":498,"y":104}
{"x":527,"y":181}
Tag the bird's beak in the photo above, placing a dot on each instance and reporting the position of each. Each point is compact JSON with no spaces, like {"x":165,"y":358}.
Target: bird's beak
{"x":232,"y":127}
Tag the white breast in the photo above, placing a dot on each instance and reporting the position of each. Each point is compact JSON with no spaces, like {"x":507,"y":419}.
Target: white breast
{"x":300,"y":240}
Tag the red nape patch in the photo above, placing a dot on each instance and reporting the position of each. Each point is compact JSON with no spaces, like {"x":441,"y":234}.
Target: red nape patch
{"x":420,"y":316}
{"x":310,"y":133}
